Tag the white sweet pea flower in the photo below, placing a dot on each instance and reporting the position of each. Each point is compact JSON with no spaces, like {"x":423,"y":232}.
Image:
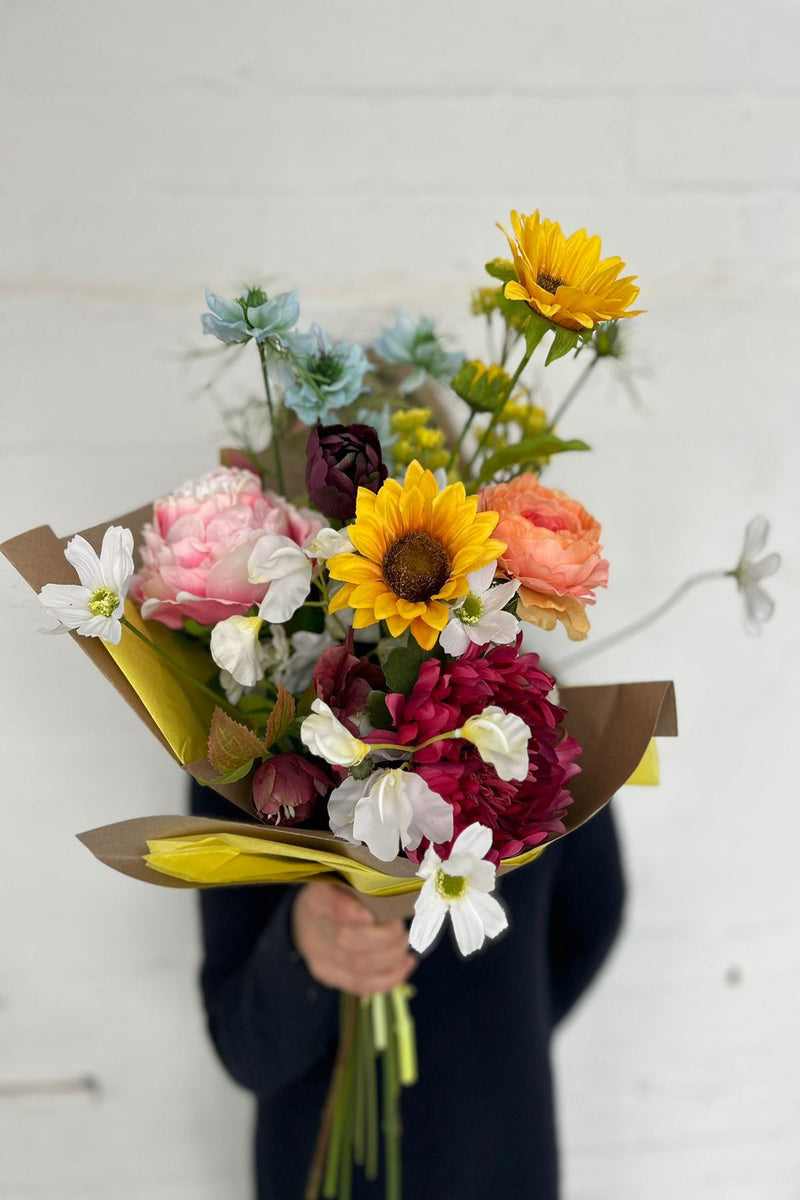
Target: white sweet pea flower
{"x":389,"y":810}
{"x":758,"y":604}
{"x":281,"y":563}
{"x":297,"y":671}
{"x":328,"y":542}
{"x":501,"y":739}
{"x":479,"y":617}
{"x":325,"y":735}
{"x":95,"y":607}
{"x":235,"y":647}
{"x":458,"y":885}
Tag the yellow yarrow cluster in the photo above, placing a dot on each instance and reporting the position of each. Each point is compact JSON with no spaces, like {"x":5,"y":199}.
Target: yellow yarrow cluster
{"x":417,"y":440}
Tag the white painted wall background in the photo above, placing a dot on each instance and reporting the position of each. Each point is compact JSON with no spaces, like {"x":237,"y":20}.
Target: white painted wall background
{"x":362,"y":152}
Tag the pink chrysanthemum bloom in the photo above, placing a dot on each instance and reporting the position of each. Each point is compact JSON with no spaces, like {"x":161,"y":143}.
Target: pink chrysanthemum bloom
{"x":520,"y":815}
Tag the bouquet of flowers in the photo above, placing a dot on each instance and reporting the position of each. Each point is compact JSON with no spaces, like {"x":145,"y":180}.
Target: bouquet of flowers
{"x":328,"y":630}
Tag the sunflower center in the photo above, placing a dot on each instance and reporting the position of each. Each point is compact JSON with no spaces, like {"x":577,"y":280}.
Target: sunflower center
{"x":450,"y":887}
{"x":103,"y":602}
{"x":550,"y":283}
{"x":416,"y":567}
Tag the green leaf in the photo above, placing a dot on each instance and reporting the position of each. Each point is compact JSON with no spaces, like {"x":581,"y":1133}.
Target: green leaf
{"x":232,"y":776}
{"x":378,"y":713}
{"x":230,"y":744}
{"x":402,"y":667}
{"x":564,"y":341}
{"x":528,"y":451}
{"x":502,"y":269}
{"x":281,"y":717}
{"x":535,"y":330}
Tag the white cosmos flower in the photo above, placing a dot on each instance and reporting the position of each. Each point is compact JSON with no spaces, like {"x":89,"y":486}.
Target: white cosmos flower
{"x":501,"y":739}
{"x":390,"y":809}
{"x":281,"y":563}
{"x":325,"y":735}
{"x":328,"y":542}
{"x":479,"y":617}
{"x":95,"y":607}
{"x":758,"y":604}
{"x":458,"y":885}
{"x":272,"y":656}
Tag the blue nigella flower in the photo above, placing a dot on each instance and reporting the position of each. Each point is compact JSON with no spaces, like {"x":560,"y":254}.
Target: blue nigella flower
{"x":329,"y":376}
{"x":253,"y":315}
{"x":417,"y":345}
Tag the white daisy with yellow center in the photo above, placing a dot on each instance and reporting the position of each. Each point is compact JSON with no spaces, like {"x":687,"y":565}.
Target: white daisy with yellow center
{"x":459,"y":886}
{"x":95,"y":607}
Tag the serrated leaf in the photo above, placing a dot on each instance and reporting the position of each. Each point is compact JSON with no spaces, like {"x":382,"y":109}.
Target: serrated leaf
{"x":528,"y":451}
{"x":281,"y":717}
{"x":232,"y":776}
{"x":502,"y":269}
{"x":564,"y":341}
{"x":377,"y":712}
{"x":402,"y":667}
{"x":230,"y":744}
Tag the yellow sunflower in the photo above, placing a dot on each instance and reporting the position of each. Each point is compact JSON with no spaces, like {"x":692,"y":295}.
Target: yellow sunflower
{"x":415,"y":547}
{"x":564,"y":278}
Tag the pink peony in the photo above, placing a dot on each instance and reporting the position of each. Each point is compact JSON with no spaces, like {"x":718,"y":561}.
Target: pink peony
{"x":553,"y":549}
{"x":195,"y":552}
{"x":520,"y":815}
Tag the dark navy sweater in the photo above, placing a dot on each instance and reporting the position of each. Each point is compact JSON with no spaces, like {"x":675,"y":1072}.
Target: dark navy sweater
{"x":479,"y":1123}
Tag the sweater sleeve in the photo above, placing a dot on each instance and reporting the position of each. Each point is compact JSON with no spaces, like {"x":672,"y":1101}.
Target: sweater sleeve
{"x":270,"y":1021}
{"x":586,"y":909}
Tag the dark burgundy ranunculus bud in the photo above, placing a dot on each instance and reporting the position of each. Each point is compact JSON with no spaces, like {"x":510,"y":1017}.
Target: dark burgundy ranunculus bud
{"x":341,"y":459}
{"x":286,"y":787}
{"x":344,"y":681}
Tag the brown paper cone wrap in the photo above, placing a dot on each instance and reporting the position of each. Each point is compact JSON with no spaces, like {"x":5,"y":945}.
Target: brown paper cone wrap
{"x":613,"y":723}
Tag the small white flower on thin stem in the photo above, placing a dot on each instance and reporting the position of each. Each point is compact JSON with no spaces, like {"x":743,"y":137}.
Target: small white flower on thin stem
{"x":328,"y":542}
{"x":479,"y":617}
{"x":95,"y":608}
{"x":758,"y":604}
{"x":307,"y":649}
{"x":389,"y":810}
{"x":458,"y":885}
{"x":501,"y":739}
{"x":280,"y":562}
{"x":325,"y":735}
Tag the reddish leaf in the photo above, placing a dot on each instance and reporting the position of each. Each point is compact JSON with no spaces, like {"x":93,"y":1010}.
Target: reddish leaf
{"x":231,"y":744}
{"x":280,"y":718}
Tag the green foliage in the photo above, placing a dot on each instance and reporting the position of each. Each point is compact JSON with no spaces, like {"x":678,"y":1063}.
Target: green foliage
{"x":529,"y":451}
{"x":402,"y":667}
{"x":377,"y":712}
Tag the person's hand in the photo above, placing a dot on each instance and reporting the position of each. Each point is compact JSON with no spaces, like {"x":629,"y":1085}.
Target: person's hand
{"x":344,"y":946}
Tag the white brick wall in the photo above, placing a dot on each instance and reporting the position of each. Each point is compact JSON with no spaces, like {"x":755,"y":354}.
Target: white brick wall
{"x":363,"y":152}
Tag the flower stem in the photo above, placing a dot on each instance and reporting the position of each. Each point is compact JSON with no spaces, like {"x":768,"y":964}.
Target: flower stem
{"x":641,"y":623}
{"x":371,"y":1093}
{"x":572,"y":393}
{"x":461,"y":436}
{"x":391,"y":1116}
{"x":526,"y":358}
{"x":174,"y":665}
{"x":439,"y":737}
{"x":327,"y":1145}
{"x":276,"y":450}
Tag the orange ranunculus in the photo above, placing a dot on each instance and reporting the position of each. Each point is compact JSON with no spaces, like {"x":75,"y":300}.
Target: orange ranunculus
{"x":553,"y":549}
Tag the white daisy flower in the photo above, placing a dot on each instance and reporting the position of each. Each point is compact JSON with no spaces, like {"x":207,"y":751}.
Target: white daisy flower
{"x":389,"y":810}
{"x":758,"y":604}
{"x":479,"y":617}
{"x":95,"y":608}
{"x":458,"y":885}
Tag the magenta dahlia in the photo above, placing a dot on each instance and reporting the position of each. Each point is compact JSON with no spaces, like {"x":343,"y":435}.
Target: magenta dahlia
{"x":520,"y":815}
